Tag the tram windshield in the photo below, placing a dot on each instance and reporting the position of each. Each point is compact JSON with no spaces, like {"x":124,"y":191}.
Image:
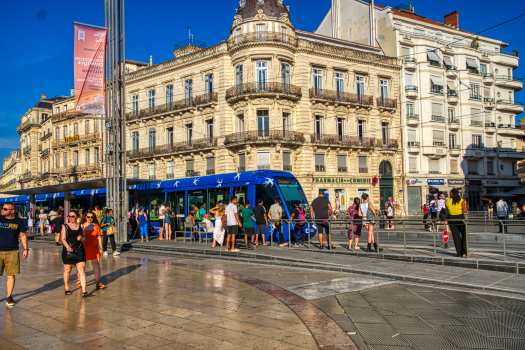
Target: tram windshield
{"x":292,"y":191}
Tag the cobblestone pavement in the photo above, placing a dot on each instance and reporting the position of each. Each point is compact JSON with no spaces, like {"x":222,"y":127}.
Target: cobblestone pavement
{"x":173,"y":302}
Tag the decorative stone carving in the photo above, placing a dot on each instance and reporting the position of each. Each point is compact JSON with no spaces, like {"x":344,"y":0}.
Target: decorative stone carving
{"x":320,"y":106}
{"x":237,"y":19}
{"x":187,"y":115}
{"x":260,"y":15}
{"x":280,"y":3}
{"x":341,"y":109}
{"x":285,"y":103}
{"x":242,"y":3}
{"x":284,"y":18}
{"x":262,"y":101}
{"x":240,"y":104}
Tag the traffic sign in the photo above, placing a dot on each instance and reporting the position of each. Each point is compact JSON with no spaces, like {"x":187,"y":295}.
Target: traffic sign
{"x":445,"y":236}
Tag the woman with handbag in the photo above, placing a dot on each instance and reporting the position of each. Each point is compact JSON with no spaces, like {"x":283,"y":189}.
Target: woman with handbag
{"x":92,"y":243}
{"x":457,"y":208}
{"x":108,"y":232}
{"x":73,"y":252}
{"x":368,"y":213}
{"x":354,"y":229}
{"x":42,"y":221}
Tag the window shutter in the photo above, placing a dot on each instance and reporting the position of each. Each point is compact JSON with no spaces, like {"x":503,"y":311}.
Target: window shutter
{"x":472,"y":166}
{"x":406,"y":52}
{"x":189,"y":164}
{"x":319,"y":159}
{"x":409,"y":79}
{"x":486,"y":92}
{"x":210,"y":163}
{"x":362,"y":162}
{"x":490,"y":167}
{"x":488,"y":140}
{"x":341,"y":160}
{"x":286,"y":158}
{"x":453,"y":165}
{"x":437,"y":109}
{"x":411,"y":135}
{"x":439,"y":135}
{"x":263,"y":158}
{"x":412,"y":164}
{"x":475,"y":114}
{"x":242,"y":159}
{"x":433,"y":165}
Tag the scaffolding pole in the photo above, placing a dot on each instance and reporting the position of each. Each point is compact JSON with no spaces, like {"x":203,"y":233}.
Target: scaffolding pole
{"x":115,"y":128}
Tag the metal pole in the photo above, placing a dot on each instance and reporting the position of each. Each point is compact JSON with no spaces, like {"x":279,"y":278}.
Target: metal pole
{"x":404,"y":238}
{"x":353,"y":235}
{"x":466,"y":237}
{"x":289,"y":237}
{"x":434,"y":236}
{"x":504,"y":247}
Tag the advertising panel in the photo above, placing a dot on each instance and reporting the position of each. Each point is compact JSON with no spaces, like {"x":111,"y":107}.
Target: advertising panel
{"x":90,"y":48}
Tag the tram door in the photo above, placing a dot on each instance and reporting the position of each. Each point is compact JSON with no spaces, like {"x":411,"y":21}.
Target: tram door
{"x":176,"y":202}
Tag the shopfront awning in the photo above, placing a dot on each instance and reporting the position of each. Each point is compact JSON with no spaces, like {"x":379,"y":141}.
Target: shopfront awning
{"x":437,"y":80}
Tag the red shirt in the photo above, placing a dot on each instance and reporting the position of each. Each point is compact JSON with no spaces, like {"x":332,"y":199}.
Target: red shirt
{"x":425,"y":210}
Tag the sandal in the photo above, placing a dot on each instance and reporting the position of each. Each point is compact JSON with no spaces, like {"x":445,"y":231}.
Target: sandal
{"x":79,"y":284}
{"x":100,"y":286}
{"x":85,"y":295}
{"x":68,"y":292}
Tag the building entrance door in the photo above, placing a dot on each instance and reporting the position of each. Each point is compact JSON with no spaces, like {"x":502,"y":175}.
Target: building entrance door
{"x":176,"y":202}
{"x":414,"y":200}
{"x":474,"y":198}
{"x":386,"y":182}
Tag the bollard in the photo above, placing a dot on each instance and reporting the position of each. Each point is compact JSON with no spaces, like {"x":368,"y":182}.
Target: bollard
{"x":466,"y":237}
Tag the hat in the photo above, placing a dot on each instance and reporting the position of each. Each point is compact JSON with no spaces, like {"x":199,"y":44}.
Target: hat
{"x":207,"y":216}
{"x":141,"y":208}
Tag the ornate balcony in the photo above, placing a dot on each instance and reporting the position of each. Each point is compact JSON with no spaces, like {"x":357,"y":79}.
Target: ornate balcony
{"x":452,"y":97}
{"x":27,"y":149}
{"x":490,"y":127}
{"x":455,"y":150}
{"x":509,"y":82}
{"x":263,"y":89}
{"x":410,"y":63}
{"x":45,"y":153}
{"x":26,"y":176}
{"x":57,"y":117}
{"x":27,"y":125}
{"x":45,"y":136}
{"x":343,"y":141}
{"x":451,"y":72}
{"x":173,"y":107}
{"x":412,"y":119}
{"x":265,"y":136}
{"x":73,"y":140}
{"x":75,"y":169}
{"x":511,"y":130}
{"x":386,"y":103}
{"x":341,"y":97}
{"x":261,"y":37}
{"x":438,"y":118}
{"x":387,"y":143}
{"x":509,"y":106}
{"x":488,"y":78}
{"x":178,"y":147}
{"x":411,"y":91}
{"x":489,"y":103}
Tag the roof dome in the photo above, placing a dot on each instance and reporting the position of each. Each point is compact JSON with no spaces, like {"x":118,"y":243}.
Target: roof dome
{"x":271,"y":8}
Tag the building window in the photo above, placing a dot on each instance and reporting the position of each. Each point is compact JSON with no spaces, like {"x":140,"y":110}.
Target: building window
{"x":433,"y":166}
{"x":135,"y":171}
{"x":452,"y":141}
{"x":412,"y":165}
{"x":189,"y":133}
{"x":411,"y":136}
{"x":263,"y":160}
{"x":437,"y":112}
{"x":135,"y":140}
{"x":95,"y":123}
{"x":472,"y":65}
{"x":238,"y":37}
{"x":188,"y":91}
{"x":483,"y":69}
{"x":474,"y":92}
{"x":476,"y":141}
{"x":208,"y":84}
{"x":135,"y":103}
{"x":383,"y":85}
{"x":210,"y":165}
{"x":436,"y":84}
{"x":360,"y":85}
{"x":284,"y":34}
{"x":286,"y":124}
{"x":65,"y":130}
{"x":319,"y":162}
{"x":75,"y":129}
{"x":363,"y":165}
{"x":287,"y":161}
{"x":97,"y":155}
{"x":57,"y":133}
{"x":285,"y":74}
{"x":261,"y":76}
{"x":340,"y":83}
{"x":87,"y":127}
{"x":57,"y":160}
{"x":169,"y":135}
{"x":361,"y":128}
{"x":475,"y":116}
{"x":87,"y":156}
{"x":410,"y":110}
{"x":75,"y":158}
{"x":152,"y":138}
{"x":472,"y":166}
{"x":169,"y":94}
{"x":151,"y":99}
{"x":64,"y":108}
{"x":238,"y":75}
{"x":319,"y":127}
{"x":385,"y":132}
{"x":170,"y":169}
{"x":263,"y":123}
{"x":490,"y":167}
{"x":340,"y":128}
{"x":489,"y":141}
{"x":57,"y":110}
{"x":240,"y":122}
{"x":438,"y":137}
{"x":451,"y":115}
{"x":261,"y":32}
{"x":318,"y":79}
{"x":209,"y":128}
{"x":153,"y":171}
{"x":242,"y":162}
{"x":189,"y":167}
{"x":341,"y":163}
{"x":454,"y":166}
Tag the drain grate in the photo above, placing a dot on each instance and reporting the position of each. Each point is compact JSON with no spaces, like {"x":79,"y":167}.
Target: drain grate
{"x":510,"y":344}
{"x":461,"y":310}
{"x":429,"y":342}
{"x":466,"y":337}
{"x":364,"y":315}
{"x":380,"y":334}
{"x":414,"y":328}
{"x":436,"y":317}
{"x":390,"y":308}
{"x":506,"y":318}
{"x":490,"y":328}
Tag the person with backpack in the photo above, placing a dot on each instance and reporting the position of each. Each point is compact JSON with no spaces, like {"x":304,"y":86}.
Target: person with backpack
{"x":247,"y":215}
{"x":300,"y":214}
{"x":356,"y":225}
{"x":108,"y":221}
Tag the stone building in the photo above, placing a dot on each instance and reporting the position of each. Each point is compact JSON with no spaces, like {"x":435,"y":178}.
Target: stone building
{"x":271,"y":97}
{"x":457,"y":99}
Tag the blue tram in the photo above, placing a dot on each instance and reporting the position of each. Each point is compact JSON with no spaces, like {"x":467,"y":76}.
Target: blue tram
{"x":184,"y":194}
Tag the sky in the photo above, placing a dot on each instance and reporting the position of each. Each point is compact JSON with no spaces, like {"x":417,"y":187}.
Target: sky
{"x":37,"y":38}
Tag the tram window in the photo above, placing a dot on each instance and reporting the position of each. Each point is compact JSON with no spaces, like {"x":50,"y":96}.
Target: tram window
{"x":268,"y":194}
{"x":218,"y":196}
{"x":241,"y":193}
{"x":292,"y":191}
{"x":196,"y":199}
{"x":100,"y":202}
{"x":155,"y":201}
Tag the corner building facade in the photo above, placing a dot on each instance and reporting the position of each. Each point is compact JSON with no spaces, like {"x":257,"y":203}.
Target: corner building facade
{"x":271,"y":97}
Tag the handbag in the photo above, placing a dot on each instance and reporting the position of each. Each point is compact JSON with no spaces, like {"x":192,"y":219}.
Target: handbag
{"x":171,"y":215}
{"x":111,"y":230}
{"x":444,"y":214}
{"x":370,"y":216}
{"x":77,"y":254}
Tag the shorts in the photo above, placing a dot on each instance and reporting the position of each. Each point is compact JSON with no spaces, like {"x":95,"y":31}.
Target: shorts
{"x":390,"y":217}
{"x":10,"y":261}
{"x":161,"y":222}
{"x":321,"y":226}
{"x":249,"y":231}
{"x":233,"y":230}
{"x":260,"y":229}
{"x":434,"y":215}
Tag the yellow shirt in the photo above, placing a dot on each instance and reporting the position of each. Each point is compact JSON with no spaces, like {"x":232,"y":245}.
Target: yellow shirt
{"x":454,"y":209}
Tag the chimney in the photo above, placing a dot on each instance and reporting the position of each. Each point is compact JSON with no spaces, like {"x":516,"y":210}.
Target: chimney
{"x":151,"y":60}
{"x":42,"y":96}
{"x":452,"y":19}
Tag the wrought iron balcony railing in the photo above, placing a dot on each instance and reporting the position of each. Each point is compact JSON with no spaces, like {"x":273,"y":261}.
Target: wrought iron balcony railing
{"x":45,"y":153}
{"x":383,"y":102}
{"x":265,"y":135}
{"x":263,"y":167}
{"x":287,"y":167}
{"x":387,"y":143}
{"x":27,"y":149}
{"x":210,"y":171}
{"x":320,"y":168}
{"x":263,"y":88}
{"x":183,"y":146}
{"x":506,"y":77}
{"x":363,"y":170}
{"x":342,"y":169}
{"x":341,"y":97}
{"x":414,"y":144}
{"x":343,"y":140}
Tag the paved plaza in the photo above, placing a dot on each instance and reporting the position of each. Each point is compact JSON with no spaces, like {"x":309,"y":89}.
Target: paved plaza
{"x":156,"y":301}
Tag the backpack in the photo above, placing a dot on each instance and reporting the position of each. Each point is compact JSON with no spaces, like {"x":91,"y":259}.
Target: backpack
{"x":301,"y":216}
{"x":170,"y":214}
{"x":443,"y":214}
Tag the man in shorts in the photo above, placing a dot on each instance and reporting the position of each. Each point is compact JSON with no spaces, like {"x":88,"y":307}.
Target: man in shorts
{"x":261,"y":221}
{"x":247,"y":223}
{"x":11,"y":229}
{"x":161,"y":222}
{"x":321,"y":209}
{"x":276,"y":214}
{"x":233,"y":223}
{"x":433,"y":211}
{"x":299,"y":225}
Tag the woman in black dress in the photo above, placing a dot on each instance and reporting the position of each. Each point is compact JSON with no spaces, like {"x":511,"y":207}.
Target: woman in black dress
{"x":73,"y":237}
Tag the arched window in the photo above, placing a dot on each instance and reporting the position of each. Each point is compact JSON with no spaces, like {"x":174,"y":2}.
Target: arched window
{"x":385,"y":169}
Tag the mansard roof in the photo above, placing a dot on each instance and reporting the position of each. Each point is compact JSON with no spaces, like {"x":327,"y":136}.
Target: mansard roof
{"x":271,"y":8}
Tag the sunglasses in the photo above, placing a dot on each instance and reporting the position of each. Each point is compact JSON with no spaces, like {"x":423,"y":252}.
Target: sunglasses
{"x":72,"y":216}
{"x":89,"y":217}
{"x":6,"y":209}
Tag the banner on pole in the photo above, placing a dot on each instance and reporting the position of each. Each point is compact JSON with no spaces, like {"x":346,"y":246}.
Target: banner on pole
{"x":90,"y":49}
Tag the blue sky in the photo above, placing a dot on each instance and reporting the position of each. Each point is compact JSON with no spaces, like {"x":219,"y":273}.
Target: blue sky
{"x":37,"y":38}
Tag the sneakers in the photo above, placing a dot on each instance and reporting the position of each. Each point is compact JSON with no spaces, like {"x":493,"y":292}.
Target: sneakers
{"x":105,"y":253}
{"x":116,"y":253}
{"x":235,"y":250}
{"x":9,"y":301}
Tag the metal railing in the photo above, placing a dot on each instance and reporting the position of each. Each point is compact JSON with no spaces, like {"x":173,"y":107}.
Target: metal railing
{"x":265,"y":135}
{"x":452,"y":93}
{"x":210,"y":171}
{"x":183,"y":146}
{"x":27,"y":149}
{"x":410,"y":88}
{"x":287,"y":168}
{"x":263,"y":88}
{"x":320,"y":168}
{"x":436,"y":89}
{"x":343,"y":140}
{"x":342,"y":169}
{"x":453,"y":120}
{"x":414,"y":144}
{"x":45,"y":153}
{"x":262,"y":36}
{"x":438,"y":118}
{"x":341,"y":97}
{"x":506,"y":77}
{"x":509,"y":102}
{"x":413,"y":116}
{"x":383,"y":102}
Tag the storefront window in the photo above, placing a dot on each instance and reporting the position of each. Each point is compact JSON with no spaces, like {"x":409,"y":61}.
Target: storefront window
{"x":292,"y":191}
{"x":268,"y":194}
{"x":155,"y":201}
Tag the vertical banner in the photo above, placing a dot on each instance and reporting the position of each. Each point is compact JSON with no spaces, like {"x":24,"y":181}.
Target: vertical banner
{"x":90,"y":48}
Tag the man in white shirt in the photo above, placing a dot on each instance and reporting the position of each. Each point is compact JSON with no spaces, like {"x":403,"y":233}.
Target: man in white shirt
{"x":502,"y":207}
{"x":161,"y":222}
{"x":232,"y":222}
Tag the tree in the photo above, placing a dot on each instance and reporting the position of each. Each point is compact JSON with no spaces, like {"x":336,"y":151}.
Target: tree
{"x":475,"y":43}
